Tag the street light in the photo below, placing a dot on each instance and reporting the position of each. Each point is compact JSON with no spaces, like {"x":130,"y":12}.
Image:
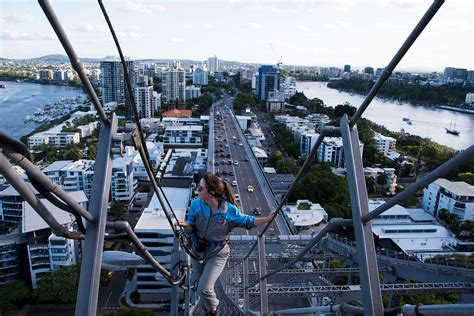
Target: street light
{"x":120,"y":260}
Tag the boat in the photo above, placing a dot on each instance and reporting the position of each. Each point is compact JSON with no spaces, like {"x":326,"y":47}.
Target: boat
{"x":2,"y":86}
{"x":406,"y":119}
{"x":28,"y":118}
{"x":452,"y":129}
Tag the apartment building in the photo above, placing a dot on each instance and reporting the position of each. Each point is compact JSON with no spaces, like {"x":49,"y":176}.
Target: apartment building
{"x":455,"y":197}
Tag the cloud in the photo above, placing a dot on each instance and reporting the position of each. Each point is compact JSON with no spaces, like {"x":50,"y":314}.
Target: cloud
{"x":176,"y":40}
{"x":130,"y":28}
{"x":337,"y":25}
{"x":304,"y":28}
{"x":144,"y":8}
{"x":285,"y":5}
{"x":86,"y":28}
{"x":252,"y":25}
{"x":127,"y":35}
{"x":16,"y":17}
{"x":24,"y":36}
{"x":208,"y":26}
{"x":401,"y":4}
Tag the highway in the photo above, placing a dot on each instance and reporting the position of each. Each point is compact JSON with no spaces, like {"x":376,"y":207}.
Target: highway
{"x":229,"y":160}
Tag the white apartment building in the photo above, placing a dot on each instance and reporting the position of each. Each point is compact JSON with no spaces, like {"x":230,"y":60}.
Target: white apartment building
{"x":78,"y":175}
{"x":155,"y":233}
{"x":186,"y":135}
{"x":145,"y":101}
{"x":87,"y":130}
{"x":332,"y":150}
{"x":288,"y":87}
{"x":58,"y":139}
{"x":389,"y":174}
{"x":307,"y":142}
{"x":385,"y":143}
{"x":174,"y":83}
{"x":72,"y":175}
{"x":123,"y":184}
{"x":192,"y":92}
{"x":45,"y":250}
{"x":213,"y":64}
{"x":155,"y":151}
{"x":470,"y":99}
{"x":318,"y":120}
{"x":455,"y":197}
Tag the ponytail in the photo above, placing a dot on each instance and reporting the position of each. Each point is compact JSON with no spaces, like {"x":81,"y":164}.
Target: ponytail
{"x":219,"y":188}
{"x":228,"y":194}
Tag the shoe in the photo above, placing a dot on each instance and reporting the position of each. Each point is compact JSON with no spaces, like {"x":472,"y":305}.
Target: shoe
{"x":211,"y":313}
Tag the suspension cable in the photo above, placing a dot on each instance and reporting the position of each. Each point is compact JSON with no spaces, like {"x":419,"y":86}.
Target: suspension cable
{"x":142,"y":148}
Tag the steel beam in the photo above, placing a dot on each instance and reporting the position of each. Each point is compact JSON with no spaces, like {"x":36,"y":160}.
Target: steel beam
{"x":92,"y":255}
{"x":365,"y":245}
{"x":262,"y":263}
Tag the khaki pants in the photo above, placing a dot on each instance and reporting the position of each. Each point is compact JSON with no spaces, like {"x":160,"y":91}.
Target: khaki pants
{"x":207,"y":272}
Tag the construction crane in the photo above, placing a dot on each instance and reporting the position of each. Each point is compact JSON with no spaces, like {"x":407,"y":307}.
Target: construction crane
{"x":278,"y":60}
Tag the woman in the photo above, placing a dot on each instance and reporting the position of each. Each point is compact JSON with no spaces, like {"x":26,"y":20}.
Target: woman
{"x":210,"y":219}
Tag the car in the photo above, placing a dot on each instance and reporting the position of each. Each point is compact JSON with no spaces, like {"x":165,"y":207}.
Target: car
{"x":234,"y":183}
{"x":257,"y":211}
{"x":228,"y":155}
{"x":229,"y":162}
{"x":250,"y":188}
{"x":236,"y":162}
{"x":237,"y":197}
{"x":231,"y":173}
{"x":240,"y":144}
{"x":224,"y":172}
{"x":226,"y":180}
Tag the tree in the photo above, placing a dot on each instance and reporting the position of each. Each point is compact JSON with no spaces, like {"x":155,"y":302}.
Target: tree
{"x":345,"y":108}
{"x":274,"y":157}
{"x":117,"y":210}
{"x":12,"y":295}
{"x":286,"y":165}
{"x":298,"y":98}
{"x":58,"y":286}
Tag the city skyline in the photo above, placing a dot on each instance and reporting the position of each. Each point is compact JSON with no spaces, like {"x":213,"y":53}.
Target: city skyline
{"x":310,"y":33}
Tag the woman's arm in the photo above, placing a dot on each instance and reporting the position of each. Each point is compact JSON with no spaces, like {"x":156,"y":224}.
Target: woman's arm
{"x":264,"y":220}
{"x":187,"y":227}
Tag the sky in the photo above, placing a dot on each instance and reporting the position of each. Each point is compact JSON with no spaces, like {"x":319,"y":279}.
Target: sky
{"x":299,"y":32}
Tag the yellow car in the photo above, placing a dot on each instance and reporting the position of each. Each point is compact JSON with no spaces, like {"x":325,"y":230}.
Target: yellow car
{"x":250,"y":188}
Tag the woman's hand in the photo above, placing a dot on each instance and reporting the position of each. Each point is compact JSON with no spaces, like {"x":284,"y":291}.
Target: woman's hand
{"x":266,"y":219}
{"x":182,"y":223}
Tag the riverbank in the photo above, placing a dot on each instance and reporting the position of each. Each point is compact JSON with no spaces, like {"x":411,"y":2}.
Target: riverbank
{"x":426,"y":122}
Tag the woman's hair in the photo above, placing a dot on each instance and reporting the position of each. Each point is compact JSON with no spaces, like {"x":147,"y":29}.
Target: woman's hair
{"x":219,"y":188}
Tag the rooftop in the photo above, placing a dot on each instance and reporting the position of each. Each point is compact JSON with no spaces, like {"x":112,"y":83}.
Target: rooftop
{"x":460,"y":188}
{"x":32,"y":221}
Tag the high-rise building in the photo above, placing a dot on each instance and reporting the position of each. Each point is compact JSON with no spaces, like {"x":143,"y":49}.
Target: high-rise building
{"x":369,"y":70}
{"x":213,"y":64}
{"x":113,"y":82}
{"x":268,"y":80}
{"x":200,"y":76}
{"x":347,"y":68}
{"x":174,"y":84}
{"x":449,"y":72}
{"x":46,"y":74}
{"x":145,"y":101}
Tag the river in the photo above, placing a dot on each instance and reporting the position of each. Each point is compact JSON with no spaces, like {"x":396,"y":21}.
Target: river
{"x":20,"y":99}
{"x":426,"y":121}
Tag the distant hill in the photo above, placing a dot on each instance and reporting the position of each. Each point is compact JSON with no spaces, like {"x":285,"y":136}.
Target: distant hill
{"x":58,"y":58}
